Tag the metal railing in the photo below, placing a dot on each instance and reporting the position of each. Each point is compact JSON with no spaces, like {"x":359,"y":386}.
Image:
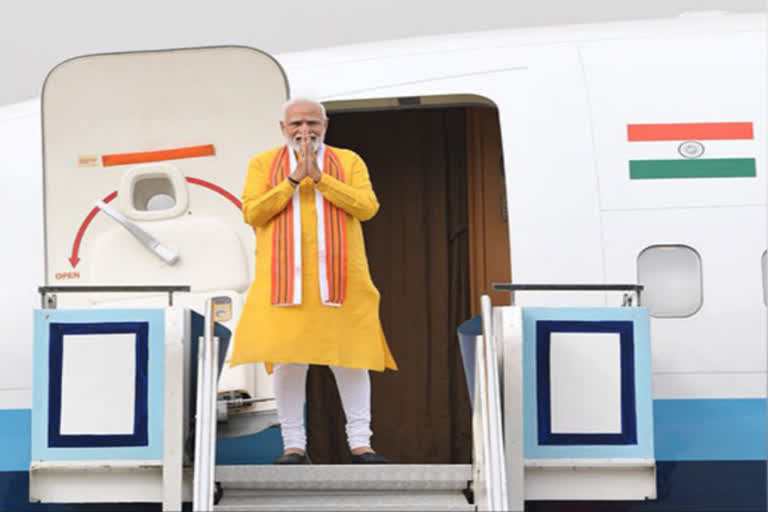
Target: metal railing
{"x":637,"y":289}
{"x":489,"y":470}
{"x":205,"y":420}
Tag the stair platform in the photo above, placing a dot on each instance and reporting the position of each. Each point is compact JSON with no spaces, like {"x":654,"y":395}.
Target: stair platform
{"x":345,"y":487}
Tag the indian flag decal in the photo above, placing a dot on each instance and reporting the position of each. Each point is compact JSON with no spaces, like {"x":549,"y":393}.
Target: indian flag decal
{"x":691,"y":150}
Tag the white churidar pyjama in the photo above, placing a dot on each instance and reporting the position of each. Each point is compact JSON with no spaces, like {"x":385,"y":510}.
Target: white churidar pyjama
{"x":354,"y":387}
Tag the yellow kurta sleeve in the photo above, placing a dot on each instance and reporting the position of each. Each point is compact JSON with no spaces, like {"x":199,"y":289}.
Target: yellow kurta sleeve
{"x":260,"y":203}
{"x":356,"y":197}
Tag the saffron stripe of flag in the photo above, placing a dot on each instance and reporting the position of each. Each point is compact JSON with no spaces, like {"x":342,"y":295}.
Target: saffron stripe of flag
{"x":689,"y":131}
{"x":698,"y":168}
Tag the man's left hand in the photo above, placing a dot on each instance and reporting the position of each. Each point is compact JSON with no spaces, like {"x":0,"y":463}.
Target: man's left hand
{"x":313,"y":171}
{"x":309,"y":156}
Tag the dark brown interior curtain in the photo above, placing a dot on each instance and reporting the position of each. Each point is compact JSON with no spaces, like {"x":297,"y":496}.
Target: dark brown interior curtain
{"x":488,"y":224}
{"x":418,"y":255}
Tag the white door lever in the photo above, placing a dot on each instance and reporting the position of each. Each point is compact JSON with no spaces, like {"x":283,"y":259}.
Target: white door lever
{"x":165,"y":253}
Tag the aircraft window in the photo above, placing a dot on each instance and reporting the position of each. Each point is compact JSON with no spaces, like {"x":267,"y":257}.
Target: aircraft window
{"x":764,"y":268}
{"x":154,"y":193}
{"x":672,"y":278}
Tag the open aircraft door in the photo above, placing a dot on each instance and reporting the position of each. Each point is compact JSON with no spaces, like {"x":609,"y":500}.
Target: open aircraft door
{"x":145,"y":156}
{"x":163,"y":139}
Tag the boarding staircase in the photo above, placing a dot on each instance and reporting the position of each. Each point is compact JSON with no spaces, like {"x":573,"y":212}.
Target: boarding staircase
{"x":480,"y":485}
{"x":499,"y":477}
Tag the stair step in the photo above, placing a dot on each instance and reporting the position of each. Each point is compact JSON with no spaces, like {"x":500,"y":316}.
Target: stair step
{"x":242,"y":500}
{"x":347,"y":477}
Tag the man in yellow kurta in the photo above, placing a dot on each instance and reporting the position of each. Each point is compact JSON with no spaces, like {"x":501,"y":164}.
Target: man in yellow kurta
{"x":312,"y":300}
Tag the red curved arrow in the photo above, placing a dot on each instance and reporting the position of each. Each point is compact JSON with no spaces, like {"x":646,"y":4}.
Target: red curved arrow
{"x":216,"y":188}
{"x":74,"y":259}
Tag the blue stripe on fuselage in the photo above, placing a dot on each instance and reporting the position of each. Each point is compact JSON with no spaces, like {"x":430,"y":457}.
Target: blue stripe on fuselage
{"x":711,"y":457}
{"x":684,"y":430}
{"x":14,"y":439}
{"x":710,"y":429}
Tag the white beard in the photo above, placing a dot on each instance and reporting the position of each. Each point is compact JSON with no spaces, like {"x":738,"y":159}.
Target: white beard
{"x":295,"y":142}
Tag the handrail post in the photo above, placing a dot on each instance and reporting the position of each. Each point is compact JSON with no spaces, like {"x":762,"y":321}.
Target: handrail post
{"x":489,"y":470}
{"x":205,"y":421}
{"x":173,"y":405}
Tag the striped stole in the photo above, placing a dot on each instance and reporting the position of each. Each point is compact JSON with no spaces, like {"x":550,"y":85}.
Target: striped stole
{"x":286,"y":237}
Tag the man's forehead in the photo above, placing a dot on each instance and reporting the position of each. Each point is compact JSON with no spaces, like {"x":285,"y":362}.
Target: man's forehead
{"x":304,"y":110}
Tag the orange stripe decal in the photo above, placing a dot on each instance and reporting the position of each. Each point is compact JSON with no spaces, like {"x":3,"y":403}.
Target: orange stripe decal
{"x":689,"y":131}
{"x":158,"y":156}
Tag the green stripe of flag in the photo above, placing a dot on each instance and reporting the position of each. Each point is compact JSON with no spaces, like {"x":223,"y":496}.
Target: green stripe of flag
{"x":694,"y":168}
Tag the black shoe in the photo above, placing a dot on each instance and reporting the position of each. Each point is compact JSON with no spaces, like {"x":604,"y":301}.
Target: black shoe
{"x":368,"y":458}
{"x":293,"y":458}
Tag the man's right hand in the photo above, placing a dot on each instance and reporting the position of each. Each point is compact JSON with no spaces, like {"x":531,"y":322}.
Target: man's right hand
{"x":302,"y":167}
{"x":300,"y":172}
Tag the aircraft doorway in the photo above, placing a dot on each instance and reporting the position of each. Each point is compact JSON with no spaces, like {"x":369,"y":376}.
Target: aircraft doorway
{"x":438,"y":241}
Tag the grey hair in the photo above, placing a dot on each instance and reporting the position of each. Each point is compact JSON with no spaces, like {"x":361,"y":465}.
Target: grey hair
{"x":293,"y":101}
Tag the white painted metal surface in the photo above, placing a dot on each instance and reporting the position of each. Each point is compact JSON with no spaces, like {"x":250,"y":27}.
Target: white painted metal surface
{"x":205,"y":421}
{"x":689,"y":357}
{"x":98,"y":398}
{"x":585,"y":383}
{"x":508,"y":325}
{"x":560,"y":103}
{"x":220,"y":264}
{"x":627,"y":83}
{"x":579,"y":481}
{"x":174,"y":421}
{"x":87,"y":482}
{"x":21,"y":205}
{"x":489,"y":467}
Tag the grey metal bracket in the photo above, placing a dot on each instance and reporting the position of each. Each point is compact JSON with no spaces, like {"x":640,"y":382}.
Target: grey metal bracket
{"x":48,"y":293}
{"x":637,"y":289}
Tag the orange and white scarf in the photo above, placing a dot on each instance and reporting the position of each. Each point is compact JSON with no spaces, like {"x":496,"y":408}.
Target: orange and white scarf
{"x":286,"y":238}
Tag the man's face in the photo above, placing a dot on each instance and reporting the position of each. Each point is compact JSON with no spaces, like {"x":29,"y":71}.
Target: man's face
{"x":304,"y":119}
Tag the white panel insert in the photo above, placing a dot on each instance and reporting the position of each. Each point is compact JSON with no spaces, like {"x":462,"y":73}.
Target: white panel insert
{"x":98,"y":380}
{"x":585,"y":382}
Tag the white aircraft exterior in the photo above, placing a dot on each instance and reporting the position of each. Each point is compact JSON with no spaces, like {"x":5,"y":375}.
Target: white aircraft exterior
{"x":599,"y":126}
